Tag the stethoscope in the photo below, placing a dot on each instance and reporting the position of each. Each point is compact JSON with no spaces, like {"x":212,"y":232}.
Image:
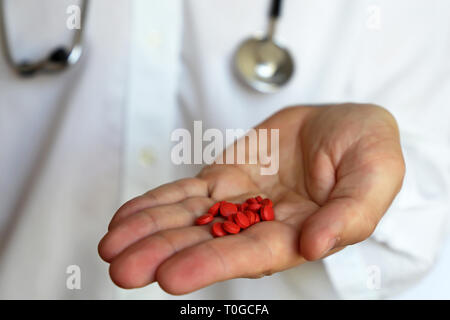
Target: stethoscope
{"x":259,"y":62}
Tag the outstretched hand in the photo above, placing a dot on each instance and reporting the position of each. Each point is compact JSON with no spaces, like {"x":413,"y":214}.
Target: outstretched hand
{"x":340,"y":167}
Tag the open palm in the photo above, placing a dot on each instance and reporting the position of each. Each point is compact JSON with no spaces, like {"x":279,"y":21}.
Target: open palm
{"x":340,"y":167}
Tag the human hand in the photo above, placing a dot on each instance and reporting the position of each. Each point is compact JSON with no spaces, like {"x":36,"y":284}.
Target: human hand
{"x":340,"y":167}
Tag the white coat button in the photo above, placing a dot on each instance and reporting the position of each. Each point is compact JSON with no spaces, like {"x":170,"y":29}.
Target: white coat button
{"x":154,"y":39}
{"x":147,"y":157}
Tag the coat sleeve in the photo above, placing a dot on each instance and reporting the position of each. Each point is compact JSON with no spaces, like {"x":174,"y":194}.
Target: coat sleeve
{"x":408,"y":239}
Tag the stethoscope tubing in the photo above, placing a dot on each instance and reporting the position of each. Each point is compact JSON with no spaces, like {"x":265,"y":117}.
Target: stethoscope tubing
{"x":58,"y":60}
{"x":62,"y":58}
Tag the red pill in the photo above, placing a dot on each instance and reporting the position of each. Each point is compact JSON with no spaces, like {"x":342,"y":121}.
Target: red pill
{"x":251,"y":200}
{"x":251,"y":216}
{"x":231,"y":217}
{"x":267,"y":202}
{"x":231,"y":227}
{"x":255,"y":217}
{"x":267,"y":213}
{"x":254,"y":207}
{"x":204,"y":219}
{"x":259,"y":199}
{"x":241,"y":220}
{"x":227,"y":208}
{"x":244,"y":206}
{"x":214,"y":210}
{"x":217,"y":230}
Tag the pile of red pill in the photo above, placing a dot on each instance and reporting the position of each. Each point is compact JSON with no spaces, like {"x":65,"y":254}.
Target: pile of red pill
{"x":238,"y":216}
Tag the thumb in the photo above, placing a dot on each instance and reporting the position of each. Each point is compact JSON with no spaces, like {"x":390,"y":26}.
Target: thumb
{"x":354,"y":208}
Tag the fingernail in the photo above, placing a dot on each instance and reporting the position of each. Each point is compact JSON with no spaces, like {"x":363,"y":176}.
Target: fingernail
{"x":331,"y":244}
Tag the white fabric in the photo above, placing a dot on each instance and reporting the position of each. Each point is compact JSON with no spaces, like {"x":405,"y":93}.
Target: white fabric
{"x":76,"y":145}
{"x":61,"y":139}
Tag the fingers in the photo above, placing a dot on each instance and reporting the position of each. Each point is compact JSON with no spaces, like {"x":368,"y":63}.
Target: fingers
{"x":144,"y":223}
{"x":135,"y":267}
{"x":160,"y":242}
{"x":165,"y":194}
{"x":264,"y":248}
{"x":356,"y":205}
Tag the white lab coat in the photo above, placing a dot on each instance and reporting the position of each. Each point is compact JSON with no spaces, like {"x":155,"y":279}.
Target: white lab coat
{"x":76,"y":145}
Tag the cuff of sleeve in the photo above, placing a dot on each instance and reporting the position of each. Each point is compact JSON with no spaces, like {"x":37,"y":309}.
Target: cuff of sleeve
{"x":349,"y":274}
{"x":409,"y":236}
{"x":416,"y":222}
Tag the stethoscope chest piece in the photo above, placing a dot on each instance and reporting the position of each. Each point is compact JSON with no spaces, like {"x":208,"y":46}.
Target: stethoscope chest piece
{"x":263,"y":64}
